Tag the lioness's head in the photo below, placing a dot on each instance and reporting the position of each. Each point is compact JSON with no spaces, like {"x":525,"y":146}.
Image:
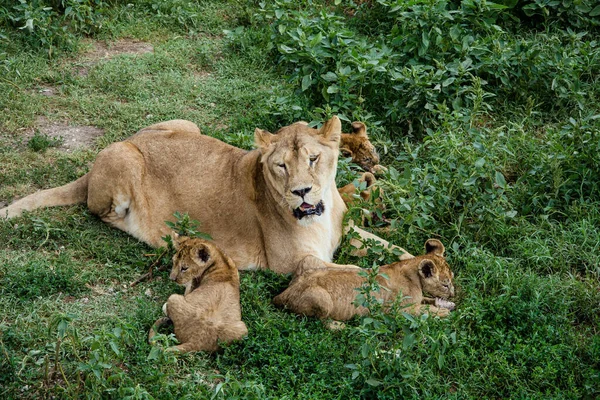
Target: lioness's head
{"x":299,"y":165}
{"x":194,"y":257}
{"x":434,"y":271}
{"x":358,"y":146}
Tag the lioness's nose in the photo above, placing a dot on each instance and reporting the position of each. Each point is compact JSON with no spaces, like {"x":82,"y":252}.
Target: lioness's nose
{"x":301,"y":192}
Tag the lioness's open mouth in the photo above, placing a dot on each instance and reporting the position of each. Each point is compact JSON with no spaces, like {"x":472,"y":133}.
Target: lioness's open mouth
{"x":306,"y":209}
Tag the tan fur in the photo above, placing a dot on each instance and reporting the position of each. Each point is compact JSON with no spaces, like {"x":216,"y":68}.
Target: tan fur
{"x":209,"y":312}
{"x":358,"y":146}
{"x":349,"y":192}
{"x":330,"y":293}
{"x":244,"y":199}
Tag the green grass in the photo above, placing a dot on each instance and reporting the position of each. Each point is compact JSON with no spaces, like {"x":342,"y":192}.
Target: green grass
{"x":506,"y":179}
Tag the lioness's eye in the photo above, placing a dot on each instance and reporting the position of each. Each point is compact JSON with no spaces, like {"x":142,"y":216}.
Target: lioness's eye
{"x":313,"y":159}
{"x":282,"y":165}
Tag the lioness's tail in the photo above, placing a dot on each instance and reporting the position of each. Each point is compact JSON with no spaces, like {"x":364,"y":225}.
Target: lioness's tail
{"x":72,"y":193}
{"x":159,"y":322}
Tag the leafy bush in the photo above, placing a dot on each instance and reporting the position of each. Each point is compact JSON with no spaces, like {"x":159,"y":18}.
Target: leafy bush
{"x":421,"y":57}
{"x":53,"y":24}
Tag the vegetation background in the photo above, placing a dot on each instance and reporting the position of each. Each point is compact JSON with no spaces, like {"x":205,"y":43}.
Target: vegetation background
{"x":485,"y":113}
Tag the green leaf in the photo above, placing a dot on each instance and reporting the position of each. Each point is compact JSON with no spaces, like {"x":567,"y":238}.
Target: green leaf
{"x":480,"y":163}
{"x":448,"y":81}
{"x":364,"y":350}
{"x":330,"y":76}
{"x":285,"y":49}
{"x":306,"y":82}
{"x":373,"y":382}
{"x":114,"y":348}
{"x":408,"y":341}
{"x":154,"y":353}
{"x":333,"y":89}
{"x":500,"y":181}
{"x":595,"y":12}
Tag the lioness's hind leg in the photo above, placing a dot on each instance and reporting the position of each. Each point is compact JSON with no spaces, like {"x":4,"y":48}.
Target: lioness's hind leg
{"x":116,"y":193}
{"x":174,"y":125}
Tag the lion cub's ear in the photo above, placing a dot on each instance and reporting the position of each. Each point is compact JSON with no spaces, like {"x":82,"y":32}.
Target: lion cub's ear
{"x":262,"y":138}
{"x":332,"y":130}
{"x":427,"y":269}
{"x":346,"y":152}
{"x":202,"y":253}
{"x":435,"y":246}
{"x":359,"y":129}
{"x":177,"y":240}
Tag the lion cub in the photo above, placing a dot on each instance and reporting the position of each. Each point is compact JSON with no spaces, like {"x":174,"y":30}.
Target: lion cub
{"x":209,"y":311}
{"x":358,"y":146}
{"x":329,"y":293}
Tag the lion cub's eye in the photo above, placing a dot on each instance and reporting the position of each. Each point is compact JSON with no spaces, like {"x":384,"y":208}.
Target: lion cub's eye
{"x":313,"y":160}
{"x":183,"y":269}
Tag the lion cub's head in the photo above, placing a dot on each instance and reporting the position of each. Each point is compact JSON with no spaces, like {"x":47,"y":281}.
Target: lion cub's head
{"x":358,"y":146}
{"x":434,"y":272}
{"x":299,"y":166}
{"x":193,"y":259}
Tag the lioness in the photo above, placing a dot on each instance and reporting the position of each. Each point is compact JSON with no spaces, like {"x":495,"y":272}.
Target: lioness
{"x":330,"y":293}
{"x":274,"y":207}
{"x":209,"y":311}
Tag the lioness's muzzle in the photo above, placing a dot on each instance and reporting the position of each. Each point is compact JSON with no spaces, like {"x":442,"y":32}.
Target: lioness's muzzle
{"x":301,"y":212}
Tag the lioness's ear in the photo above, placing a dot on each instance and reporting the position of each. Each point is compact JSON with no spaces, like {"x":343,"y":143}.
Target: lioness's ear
{"x":262,"y":138}
{"x":359,"y":129}
{"x":346,"y":152}
{"x":302,"y":123}
{"x":435,"y":246}
{"x":332,"y":130}
{"x":427,"y":269}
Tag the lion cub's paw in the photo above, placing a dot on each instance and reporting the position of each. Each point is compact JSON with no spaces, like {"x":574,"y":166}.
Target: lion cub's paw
{"x":164,"y":310}
{"x":441,"y":303}
{"x":334,"y":325}
{"x":378,"y":169}
{"x":440,"y":312}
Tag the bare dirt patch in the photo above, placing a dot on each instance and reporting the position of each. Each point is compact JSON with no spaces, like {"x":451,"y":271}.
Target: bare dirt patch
{"x":48,"y":91}
{"x":73,"y":136}
{"x":103,"y":51}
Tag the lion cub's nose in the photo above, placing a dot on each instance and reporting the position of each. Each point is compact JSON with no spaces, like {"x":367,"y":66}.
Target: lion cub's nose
{"x":301,"y":192}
